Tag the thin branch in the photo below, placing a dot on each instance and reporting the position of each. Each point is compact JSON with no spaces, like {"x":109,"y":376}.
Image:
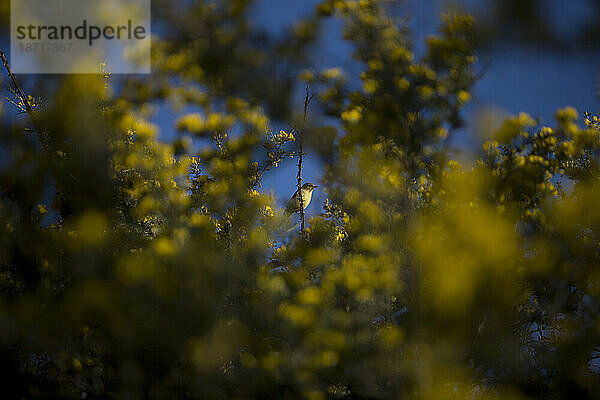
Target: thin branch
{"x":19,"y":91}
{"x":307,"y":99}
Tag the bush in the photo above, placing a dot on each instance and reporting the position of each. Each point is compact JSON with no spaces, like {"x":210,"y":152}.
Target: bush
{"x":136,"y":268}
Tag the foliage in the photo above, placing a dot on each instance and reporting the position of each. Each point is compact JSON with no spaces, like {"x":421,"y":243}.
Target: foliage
{"x":135,"y":268}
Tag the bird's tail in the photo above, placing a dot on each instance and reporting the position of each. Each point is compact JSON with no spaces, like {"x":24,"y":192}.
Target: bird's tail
{"x":281,"y":223}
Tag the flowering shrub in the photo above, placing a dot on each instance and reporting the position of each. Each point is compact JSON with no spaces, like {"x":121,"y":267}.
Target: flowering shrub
{"x":136,"y":268}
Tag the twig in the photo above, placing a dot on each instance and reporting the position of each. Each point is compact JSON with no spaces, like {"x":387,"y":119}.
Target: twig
{"x":307,"y":99}
{"x":20,"y":92}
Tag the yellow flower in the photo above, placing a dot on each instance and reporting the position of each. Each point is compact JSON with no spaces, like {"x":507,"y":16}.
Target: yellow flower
{"x":403,"y":83}
{"x":425,"y":91}
{"x":370,"y":86}
{"x":352,"y":116}
{"x":268,"y":211}
{"x":454,"y":165}
{"x":463,"y":97}
{"x":307,"y":76}
{"x":332,"y":73}
{"x":192,"y":123}
{"x":567,"y":114}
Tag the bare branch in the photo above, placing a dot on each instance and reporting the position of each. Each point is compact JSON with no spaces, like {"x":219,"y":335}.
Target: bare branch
{"x":18,"y":89}
{"x":307,"y":99}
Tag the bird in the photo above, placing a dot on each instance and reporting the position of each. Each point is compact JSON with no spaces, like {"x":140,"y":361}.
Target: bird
{"x":294,"y":203}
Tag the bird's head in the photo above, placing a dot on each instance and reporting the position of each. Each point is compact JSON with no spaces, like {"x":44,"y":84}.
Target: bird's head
{"x":309,"y":186}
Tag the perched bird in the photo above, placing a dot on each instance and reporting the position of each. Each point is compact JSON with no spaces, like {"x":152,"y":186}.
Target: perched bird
{"x":294,"y":203}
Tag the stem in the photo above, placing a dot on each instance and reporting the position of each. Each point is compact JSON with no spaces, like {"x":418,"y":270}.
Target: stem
{"x":17,"y":86}
{"x":25,"y":211}
{"x":307,"y":99}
